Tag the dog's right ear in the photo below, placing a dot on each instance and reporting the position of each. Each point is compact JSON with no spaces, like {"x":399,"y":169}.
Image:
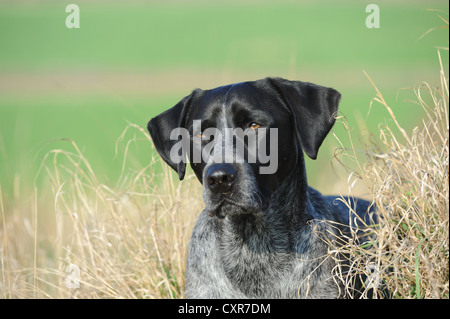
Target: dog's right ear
{"x":160,"y":128}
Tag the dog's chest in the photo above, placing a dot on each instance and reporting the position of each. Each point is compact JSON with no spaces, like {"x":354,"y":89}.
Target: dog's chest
{"x":254,"y":258}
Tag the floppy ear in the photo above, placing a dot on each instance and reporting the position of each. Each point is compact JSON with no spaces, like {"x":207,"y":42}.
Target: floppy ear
{"x":313,"y":108}
{"x":160,"y":128}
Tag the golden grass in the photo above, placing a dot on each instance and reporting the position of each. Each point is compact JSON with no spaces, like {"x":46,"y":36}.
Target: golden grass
{"x":407,"y":252}
{"x":128,"y":242}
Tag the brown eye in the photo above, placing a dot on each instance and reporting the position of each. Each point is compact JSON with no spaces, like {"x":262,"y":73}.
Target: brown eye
{"x":204,"y":137}
{"x":254,"y":126}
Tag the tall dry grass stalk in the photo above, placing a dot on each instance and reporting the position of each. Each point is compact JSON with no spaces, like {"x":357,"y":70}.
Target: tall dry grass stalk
{"x":96,"y":242}
{"x":407,"y":253}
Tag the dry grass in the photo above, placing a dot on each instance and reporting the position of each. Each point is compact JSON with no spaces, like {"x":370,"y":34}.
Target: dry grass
{"x":407,"y":252}
{"x":128,"y":242}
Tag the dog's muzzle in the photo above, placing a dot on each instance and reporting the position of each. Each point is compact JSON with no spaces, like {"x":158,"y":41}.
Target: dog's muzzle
{"x":229,"y":189}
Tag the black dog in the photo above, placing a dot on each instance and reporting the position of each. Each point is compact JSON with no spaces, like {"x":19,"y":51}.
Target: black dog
{"x":261,"y":235}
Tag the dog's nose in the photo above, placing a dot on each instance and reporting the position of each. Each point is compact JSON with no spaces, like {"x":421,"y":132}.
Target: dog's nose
{"x":220,"y":177}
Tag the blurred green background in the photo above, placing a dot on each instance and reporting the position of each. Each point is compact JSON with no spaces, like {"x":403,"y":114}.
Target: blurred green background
{"x":130,"y":60}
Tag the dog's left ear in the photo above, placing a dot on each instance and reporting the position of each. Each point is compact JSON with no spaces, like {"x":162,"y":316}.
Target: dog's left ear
{"x":160,"y":128}
{"x":313,"y":108}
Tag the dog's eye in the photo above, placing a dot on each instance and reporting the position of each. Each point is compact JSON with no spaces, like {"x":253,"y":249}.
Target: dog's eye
{"x":204,"y":137}
{"x":254,"y":126}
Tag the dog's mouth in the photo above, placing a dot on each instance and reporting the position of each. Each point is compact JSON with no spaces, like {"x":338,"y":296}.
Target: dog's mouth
{"x":227,"y":205}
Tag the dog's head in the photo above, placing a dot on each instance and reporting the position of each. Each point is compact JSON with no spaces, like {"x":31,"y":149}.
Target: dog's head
{"x":243,"y":140}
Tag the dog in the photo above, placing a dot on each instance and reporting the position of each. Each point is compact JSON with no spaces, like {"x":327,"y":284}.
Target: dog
{"x":261,"y":235}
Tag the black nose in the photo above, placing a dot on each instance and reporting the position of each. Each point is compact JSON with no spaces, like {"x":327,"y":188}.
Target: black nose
{"x":220,"y":177}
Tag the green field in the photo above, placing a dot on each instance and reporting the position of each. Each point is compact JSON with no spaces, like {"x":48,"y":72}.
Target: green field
{"x":132,"y":59}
